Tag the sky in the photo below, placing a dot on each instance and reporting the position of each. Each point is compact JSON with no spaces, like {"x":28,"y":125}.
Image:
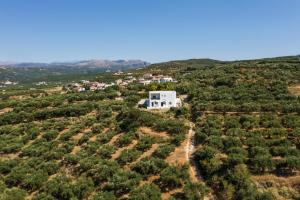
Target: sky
{"x":151,"y":30}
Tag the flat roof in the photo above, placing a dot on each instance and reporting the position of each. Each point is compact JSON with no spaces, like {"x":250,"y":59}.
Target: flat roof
{"x":162,"y":91}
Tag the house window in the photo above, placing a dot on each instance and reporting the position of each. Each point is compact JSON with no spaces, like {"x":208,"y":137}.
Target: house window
{"x":155,"y":96}
{"x":170,"y":103}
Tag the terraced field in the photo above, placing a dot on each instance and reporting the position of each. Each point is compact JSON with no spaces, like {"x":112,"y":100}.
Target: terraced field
{"x":90,"y":146}
{"x":236,"y":137}
{"x":247,"y":128}
{"x":261,"y":149}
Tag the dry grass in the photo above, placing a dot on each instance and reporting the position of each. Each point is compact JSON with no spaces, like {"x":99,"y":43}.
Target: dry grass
{"x":119,"y":151}
{"x":149,"y":131}
{"x":167,"y":195}
{"x":179,"y":155}
{"x":54,"y":90}
{"x":93,"y":138}
{"x":5,"y":110}
{"x":146,"y":153}
{"x":31,"y":195}
{"x":80,"y":134}
{"x":281,"y":187}
{"x":114,"y":139}
{"x":77,"y":136}
{"x":62,"y":132}
{"x":75,"y":150}
{"x":19,"y":97}
{"x":281,"y":181}
{"x":9,"y":156}
{"x":150,"y":179}
{"x":294,"y":89}
{"x":193,"y":173}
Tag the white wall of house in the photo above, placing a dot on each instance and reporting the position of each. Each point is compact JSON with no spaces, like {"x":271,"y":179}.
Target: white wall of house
{"x":162,"y":99}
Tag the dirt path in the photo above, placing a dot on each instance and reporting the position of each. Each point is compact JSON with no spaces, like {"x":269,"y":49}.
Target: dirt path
{"x":190,"y":148}
{"x":194,"y":171}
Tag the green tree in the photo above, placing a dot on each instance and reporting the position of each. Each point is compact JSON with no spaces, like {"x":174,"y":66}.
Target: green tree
{"x":194,"y":191}
{"x":104,"y":196}
{"x":35,"y":180}
{"x":145,"y":192}
{"x":172,"y":176}
{"x":13,"y":194}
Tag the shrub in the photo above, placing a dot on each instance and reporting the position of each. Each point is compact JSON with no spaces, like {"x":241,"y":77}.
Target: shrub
{"x":128,"y":155}
{"x":126,"y":139}
{"x":104,"y":196}
{"x":50,"y":135}
{"x":7,"y":165}
{"x":163,"y":151}
{"x":145,"y":192}
{"x":106,"y":151}
{"x":13,"y":194}
{"x":122,"y":182}
{"x":35,"y":180}
{"x":194,"y":191}
{"x":144,"y":143}
{"x":59,"y":187}
{"x":149,"y":166}
{"x":172,"y":177}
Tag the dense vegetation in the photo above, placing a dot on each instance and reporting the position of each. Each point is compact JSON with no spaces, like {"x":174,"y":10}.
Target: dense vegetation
{"x":88,"y":145}
{"x":91,"y":146}
{"x":247,"y":124}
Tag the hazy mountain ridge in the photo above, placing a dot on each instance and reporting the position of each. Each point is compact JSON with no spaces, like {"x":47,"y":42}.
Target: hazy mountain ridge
{"x":101,"y":63}
{"x":32,"y":72}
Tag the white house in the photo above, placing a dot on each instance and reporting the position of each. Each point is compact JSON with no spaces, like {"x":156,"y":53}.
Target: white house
{"x":162,"y":99}
{"x":166,"y":79}
{"x":144,"y":82}
{"x":147,"y":76}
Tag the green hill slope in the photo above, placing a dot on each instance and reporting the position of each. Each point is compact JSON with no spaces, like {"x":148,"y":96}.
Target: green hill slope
{"x":99,"y":145}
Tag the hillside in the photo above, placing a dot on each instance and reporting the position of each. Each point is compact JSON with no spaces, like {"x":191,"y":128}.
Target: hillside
{"x":237,"y":136}
{"x":62,"y":71}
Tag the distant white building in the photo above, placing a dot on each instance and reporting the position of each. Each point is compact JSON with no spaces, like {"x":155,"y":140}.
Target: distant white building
{"x":147,"y":76}
{"x":162,"y":99}
{"x":8,"y":83}
{"x":85,"y":81}
{"x":41,"y":83}
{"x":144,"y":82}
{"x":119,"y":73}
{"x":81,"y":89}
{"x":166,"y":79}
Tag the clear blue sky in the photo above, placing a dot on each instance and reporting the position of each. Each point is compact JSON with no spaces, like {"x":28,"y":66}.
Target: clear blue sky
{"x":152,"y":30}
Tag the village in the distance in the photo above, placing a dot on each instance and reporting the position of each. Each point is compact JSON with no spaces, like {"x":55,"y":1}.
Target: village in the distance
{"x":145,"y":79}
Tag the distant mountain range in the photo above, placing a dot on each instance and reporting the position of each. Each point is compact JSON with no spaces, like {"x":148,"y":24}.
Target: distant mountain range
{"x":30,"y":72}
{"x":94,"y":63}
